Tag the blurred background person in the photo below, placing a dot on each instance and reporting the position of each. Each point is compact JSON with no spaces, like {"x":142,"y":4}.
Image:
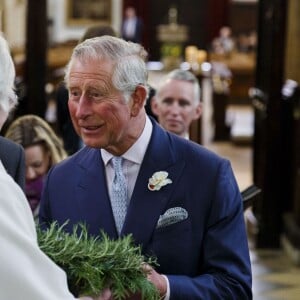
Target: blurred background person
{"x":132,"y":26}
{"x":148,"y":108}
{"x":43,"y":149}
{"x":224,"y":43}
{"x":177,"y":102}
{"x":72,"y":141}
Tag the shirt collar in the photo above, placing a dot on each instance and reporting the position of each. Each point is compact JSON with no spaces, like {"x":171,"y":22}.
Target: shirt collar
{"x":137,"y":151}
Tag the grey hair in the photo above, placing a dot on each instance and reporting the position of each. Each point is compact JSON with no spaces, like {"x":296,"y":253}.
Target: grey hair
{"x":8,"y":98}
{"x":129,"y":68}
{"x":183,"y":75}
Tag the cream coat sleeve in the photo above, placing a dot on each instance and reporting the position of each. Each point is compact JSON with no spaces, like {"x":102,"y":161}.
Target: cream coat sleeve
{"x":26,"y":272}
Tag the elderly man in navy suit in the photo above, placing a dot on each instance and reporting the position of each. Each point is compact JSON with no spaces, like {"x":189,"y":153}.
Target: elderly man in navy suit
{"x":179,"y":201}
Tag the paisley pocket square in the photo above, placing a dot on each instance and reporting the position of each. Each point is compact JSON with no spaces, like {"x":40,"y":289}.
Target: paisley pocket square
{"x":171,"y":216}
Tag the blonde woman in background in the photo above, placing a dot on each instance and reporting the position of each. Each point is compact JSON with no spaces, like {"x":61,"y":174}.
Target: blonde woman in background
{"x":43,"y":149}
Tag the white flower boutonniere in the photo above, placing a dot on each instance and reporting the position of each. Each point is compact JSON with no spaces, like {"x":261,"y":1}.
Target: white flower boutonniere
{"x":158,"y":180}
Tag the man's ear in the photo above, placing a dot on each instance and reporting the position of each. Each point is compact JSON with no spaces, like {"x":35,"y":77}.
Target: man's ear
{"x":138,"y":98}
{"x":154,"y":105}
{"x":198,"y":111}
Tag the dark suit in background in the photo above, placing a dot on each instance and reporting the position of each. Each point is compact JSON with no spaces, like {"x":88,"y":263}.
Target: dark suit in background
{"x":13,"y":159}
{"x":132,"y":26}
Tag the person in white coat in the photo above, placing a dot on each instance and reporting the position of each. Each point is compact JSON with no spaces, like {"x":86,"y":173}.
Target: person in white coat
{"x":26,"y":272}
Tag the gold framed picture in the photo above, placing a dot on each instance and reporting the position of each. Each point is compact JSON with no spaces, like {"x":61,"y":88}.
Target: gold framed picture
{"x":86,"y":12}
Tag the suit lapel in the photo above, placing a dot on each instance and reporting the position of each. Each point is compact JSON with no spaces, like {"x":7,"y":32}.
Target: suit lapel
{"x":92,"y":189}
{"x":145,"y":205}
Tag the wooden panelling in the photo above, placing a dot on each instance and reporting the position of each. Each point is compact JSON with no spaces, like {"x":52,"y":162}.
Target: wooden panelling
{"x":292,"y":67}
{"x":243,"y":17}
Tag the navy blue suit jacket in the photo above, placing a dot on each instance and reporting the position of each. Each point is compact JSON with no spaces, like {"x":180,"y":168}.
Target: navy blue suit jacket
{"x":13,"y":159}
{"x":204,"y":256}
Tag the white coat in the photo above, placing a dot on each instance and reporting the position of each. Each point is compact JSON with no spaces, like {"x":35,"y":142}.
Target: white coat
{"x":26,"y":272}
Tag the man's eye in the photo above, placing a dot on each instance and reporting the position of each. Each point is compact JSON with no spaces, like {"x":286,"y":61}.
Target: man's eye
{"x":167,"y":101}
{"x":184,"y":103}
{"x":74,"y":94}
{"x":95,"y":95}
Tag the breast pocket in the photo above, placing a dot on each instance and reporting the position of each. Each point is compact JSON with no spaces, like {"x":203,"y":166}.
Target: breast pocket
{"x":172,"y":245}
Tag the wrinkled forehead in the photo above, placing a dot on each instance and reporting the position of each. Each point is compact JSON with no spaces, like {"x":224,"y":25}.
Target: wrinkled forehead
{"x":89,"y":69}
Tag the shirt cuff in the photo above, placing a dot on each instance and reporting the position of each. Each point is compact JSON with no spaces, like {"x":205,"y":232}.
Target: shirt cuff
{"x":167,"y":296}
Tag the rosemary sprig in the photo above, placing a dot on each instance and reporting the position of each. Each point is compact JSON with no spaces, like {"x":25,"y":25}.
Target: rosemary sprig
{"x":95,"y":263}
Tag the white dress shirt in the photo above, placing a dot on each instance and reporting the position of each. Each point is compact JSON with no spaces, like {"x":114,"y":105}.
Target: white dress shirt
{"x":130,"y":27}
{"x":26,"y":272}
{"x":132,"y":159}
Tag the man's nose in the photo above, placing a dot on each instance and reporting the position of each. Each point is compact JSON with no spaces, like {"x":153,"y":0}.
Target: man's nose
{"x":83,"y":108}
{"x":174,"y":108}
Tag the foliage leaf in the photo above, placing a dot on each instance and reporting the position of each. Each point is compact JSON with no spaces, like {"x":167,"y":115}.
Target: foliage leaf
{"x":95,"y":263}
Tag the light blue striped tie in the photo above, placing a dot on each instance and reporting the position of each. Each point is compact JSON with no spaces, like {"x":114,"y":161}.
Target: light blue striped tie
{"x":119,"y":193}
